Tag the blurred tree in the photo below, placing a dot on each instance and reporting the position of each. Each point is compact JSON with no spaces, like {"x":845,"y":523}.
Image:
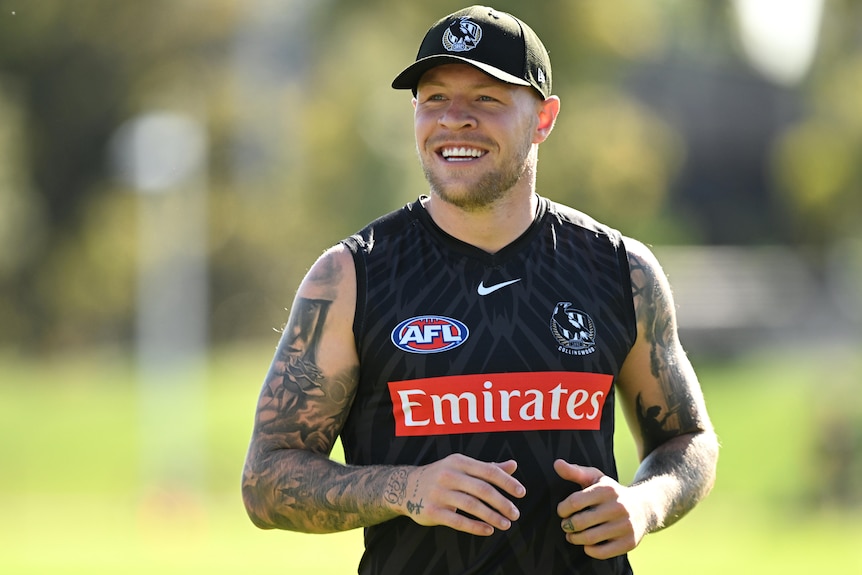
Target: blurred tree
{"x":816,"y":160}
{"x":22,"y":225}
{"x":660,"y":135}
{"x":77,"y":70}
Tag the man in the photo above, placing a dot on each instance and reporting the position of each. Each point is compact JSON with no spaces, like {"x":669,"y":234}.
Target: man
{"x":470,"y":347}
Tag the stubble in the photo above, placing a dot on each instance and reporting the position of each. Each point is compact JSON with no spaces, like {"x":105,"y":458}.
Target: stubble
{"x":490,"y":188}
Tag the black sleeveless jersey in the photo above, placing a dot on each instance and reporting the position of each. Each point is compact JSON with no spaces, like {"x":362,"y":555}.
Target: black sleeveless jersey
{"x":499,"y":356}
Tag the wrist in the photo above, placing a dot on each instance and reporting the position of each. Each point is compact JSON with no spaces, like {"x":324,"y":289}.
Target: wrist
{"x":400,"y":493}
{"x":655,"y":497}
{"x":413,"y":502}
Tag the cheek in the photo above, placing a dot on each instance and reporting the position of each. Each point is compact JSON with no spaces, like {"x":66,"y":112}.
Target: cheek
{"x":423,"y":127}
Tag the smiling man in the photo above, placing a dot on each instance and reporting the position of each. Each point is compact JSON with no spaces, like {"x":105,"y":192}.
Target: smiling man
{"x":469,"y":350}
{"x":469,"y":168}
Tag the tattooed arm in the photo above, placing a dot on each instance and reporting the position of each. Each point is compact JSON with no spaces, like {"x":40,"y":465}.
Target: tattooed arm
{"x":289,"y":482}
{"x":664,"y":406}
{"x":663,"y":401}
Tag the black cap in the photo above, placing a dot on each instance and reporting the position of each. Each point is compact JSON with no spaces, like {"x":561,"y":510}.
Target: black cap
{"x":495,"y":42}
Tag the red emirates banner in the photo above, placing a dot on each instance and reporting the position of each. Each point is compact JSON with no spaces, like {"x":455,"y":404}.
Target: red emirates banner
{"x":482,"y":403}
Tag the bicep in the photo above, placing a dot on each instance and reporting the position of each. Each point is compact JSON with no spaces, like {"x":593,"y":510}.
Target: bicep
{"x":660,"y":393}
{"x":312,"y":379}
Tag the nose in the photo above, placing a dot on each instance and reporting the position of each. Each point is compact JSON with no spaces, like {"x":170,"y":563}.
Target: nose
{"x":457,"y":116}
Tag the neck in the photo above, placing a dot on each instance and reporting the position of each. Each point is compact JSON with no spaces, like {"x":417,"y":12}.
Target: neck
{"x":489,"y":229}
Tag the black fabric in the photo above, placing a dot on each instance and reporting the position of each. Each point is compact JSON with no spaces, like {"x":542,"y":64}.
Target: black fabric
{"x":408,"y":268}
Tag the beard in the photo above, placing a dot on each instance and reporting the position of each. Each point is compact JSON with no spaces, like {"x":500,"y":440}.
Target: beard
{"x":488,"y":189}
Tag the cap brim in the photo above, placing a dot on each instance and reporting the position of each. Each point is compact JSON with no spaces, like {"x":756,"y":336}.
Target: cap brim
{"x":409,"y":78}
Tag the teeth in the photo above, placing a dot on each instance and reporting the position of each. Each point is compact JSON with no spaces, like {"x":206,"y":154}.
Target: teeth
{"x":461,"y":153}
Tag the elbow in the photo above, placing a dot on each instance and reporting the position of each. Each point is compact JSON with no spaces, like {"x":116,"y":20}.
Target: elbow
{"x":254,"y":509}
{"x":258,"y":522}
{"x":257,"y":505}
{"x":701,"y":462}
{"x":261,"y":505}
{"x":710,"y":451}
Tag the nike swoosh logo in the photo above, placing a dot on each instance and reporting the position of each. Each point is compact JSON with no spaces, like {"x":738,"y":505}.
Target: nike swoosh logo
{"x":491,"y":289}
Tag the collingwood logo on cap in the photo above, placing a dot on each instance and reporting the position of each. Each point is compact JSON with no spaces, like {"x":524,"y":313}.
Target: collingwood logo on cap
{"x":462,"y":35}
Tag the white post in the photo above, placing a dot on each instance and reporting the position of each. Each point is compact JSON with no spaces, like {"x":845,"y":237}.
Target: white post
{"x":162,"y":155}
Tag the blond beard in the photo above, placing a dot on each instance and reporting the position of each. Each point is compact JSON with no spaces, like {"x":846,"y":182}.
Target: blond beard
{"x":490,"y":188}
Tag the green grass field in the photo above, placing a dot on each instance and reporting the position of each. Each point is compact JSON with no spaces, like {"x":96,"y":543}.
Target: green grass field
{"x":75,"y":499}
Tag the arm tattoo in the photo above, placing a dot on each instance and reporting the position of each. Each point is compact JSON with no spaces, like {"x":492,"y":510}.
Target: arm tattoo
{"x":289,"y":482}
{"x":295,"y":385}
{"x":668,"y":364}
{"x":297,"y":355}
{"x":396,"y":487}
{"x":316,"y":495}
{"x":674,"y":444}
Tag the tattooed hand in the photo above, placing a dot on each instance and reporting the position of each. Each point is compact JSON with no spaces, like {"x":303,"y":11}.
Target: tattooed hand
{"x":436,"y":494}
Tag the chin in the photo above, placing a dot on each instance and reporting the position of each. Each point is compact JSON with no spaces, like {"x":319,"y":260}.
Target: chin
{"x":467,"y":200}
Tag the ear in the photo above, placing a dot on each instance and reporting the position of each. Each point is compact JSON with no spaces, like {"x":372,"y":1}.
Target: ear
{"x":548,"y":111}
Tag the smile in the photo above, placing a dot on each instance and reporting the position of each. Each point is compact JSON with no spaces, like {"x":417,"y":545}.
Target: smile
{"x":461,"y":154}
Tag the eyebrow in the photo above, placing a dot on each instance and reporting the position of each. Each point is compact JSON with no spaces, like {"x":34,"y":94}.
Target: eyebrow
{"x":480,"y":86}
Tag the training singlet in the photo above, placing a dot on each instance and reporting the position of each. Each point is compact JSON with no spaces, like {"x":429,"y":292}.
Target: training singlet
{"x":499,"y":356}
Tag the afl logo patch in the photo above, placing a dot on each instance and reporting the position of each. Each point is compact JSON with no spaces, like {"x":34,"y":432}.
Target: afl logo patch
{"x":462,"y":35}
{"x":573,"y":329}
{"x":429,"y":334}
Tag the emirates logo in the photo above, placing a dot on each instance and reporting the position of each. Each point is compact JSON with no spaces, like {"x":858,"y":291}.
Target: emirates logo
{"x":487,"y":403}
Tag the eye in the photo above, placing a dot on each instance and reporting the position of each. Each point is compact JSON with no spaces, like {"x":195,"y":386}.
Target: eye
{"x":431,"y":97}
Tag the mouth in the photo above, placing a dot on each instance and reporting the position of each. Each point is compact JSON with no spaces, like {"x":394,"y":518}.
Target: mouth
{"x":461,"y":154}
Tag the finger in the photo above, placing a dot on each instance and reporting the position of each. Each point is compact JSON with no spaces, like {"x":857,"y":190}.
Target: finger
{"x":583,"y":476}
{"x":460,"y":521}
{"x":479,"y":489}
{"x":501,"y":475}
{"x":602,"y":542}
{"x":583,"y":499}
{"x":509,"y":467}
{"x":581,"y":521}
{"x":442,"y":512}
{"x":463,"y":509}
{"x":496,"y":474}
{"x":473,"y":508}
{"x":481,"y":498}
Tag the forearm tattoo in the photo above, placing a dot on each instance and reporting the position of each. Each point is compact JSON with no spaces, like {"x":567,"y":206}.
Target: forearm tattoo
{"x":318,"y":496}
{"x":396,"y":487}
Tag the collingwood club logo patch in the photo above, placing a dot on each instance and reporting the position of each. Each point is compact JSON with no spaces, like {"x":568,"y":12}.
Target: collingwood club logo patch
{"x":462,"y":35}
{"x":573,"y":329}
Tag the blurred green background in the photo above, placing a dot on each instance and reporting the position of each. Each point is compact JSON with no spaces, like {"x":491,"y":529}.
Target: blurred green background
{"x":170,"y":168}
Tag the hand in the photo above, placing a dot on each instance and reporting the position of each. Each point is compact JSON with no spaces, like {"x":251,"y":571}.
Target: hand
{"x":435,"y":493}
{"x":605,"y":517}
